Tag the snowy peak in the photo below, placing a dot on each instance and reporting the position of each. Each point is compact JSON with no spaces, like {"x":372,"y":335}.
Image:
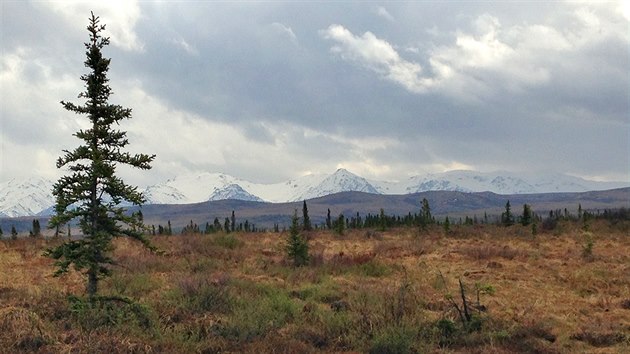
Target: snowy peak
{"x":188,"y":188}
{"x":233,"y":191}
{"x":340,"y":181}
{"x":25,"y":197}
{"x":164,"y":194}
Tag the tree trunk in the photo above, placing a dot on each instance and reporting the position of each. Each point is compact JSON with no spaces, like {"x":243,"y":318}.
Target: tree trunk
{"x":92,"y":285}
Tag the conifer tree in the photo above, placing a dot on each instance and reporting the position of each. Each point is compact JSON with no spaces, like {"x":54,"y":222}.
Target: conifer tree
{"x":447,"y":225}
{"x":226,"y":225}
{"x":14,"y":233}
{"x":1,"y":233}
{"x":328,"y":220}
{"x":507,"y":218}
{"x":233,"y":222}
{"x":382,"y":220}
{"x":306,"y":219}
{"x":92,"y":192}
{"x":217,"y":224}
{"x":526,"y":218}
{"x":36,"y":229}
{"x":340,"y":225}
{"x":297,"y":245}
{"x":425,"y":213}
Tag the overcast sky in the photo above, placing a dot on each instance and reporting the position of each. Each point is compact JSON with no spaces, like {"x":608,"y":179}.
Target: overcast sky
{"x":268,"y":91}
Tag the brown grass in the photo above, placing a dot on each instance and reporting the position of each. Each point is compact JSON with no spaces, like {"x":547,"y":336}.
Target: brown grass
{"x":389,"y":290}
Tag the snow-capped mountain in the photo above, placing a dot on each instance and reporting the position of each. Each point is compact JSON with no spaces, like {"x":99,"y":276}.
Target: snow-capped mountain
{"x":19,"y":197}
{"x":164,"y":194}
{"x":470,"y":181}
{"x":33,"y":196}
{"x":189,"y":188}
{"x":233,"y":191}
{"x":340,"y":181}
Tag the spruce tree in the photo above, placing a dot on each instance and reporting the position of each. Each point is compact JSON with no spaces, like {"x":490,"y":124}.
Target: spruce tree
{"x":217,"y":224}
{"x":36,"y":229}
{"x":425,"y":214}
{"x":92,"y":192}
{"x":328,"y":220}
{"x":297,"y":245}
{"x":306,"y":219}
{"x":226,"y":225}
{"x":507,"y":218}
{"x":526,"y":218}
{"x":447,"y":225}
{"x":14,"y":233}
{"x":340,"y":225}
{"x":1,"y":233}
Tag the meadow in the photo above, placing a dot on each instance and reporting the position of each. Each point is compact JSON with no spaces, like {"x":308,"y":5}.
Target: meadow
{"x":474,"y":289}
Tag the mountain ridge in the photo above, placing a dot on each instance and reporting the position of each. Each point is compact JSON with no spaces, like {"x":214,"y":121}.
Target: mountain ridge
{"x":32,"y":196}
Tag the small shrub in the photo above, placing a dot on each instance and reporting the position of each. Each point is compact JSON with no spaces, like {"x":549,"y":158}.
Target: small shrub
{"x":446,"y":330}
{"x":393,"y":340}
{"x":587,"y":247}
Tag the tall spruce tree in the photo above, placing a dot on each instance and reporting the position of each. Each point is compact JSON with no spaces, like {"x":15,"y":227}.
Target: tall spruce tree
{"x":328,"y":220}
{"x":307,"y":220}
{"x":92,"y":192}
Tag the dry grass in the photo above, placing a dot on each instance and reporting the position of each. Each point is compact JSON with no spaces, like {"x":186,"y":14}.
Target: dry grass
{"x":364,"y":291}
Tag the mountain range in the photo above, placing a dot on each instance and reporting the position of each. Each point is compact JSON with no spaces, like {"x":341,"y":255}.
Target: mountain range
{"x":32,"y":196}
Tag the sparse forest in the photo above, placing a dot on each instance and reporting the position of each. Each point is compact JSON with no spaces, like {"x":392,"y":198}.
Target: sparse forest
{"x":564,"y":289}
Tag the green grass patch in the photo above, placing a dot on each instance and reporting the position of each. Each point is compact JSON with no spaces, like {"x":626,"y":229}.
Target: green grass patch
{"x":229,"y":241}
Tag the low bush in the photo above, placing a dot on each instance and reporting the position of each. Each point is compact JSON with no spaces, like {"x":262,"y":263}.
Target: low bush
{"x":393,"y":340}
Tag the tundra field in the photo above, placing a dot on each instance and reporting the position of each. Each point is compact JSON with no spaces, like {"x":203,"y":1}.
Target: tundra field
{"x":395,"y":291}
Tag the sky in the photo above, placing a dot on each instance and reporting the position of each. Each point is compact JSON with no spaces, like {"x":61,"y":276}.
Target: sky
{"x":269,"y":91}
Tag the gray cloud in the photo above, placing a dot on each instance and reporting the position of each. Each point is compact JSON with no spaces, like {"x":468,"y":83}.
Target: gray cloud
{"x":268,"y":91}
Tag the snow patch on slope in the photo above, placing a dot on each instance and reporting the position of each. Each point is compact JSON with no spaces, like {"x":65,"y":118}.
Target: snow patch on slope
{"x":22,"y":197}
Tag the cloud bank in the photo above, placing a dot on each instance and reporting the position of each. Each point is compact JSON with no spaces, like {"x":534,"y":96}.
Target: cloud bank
{"x":271,"y":91}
